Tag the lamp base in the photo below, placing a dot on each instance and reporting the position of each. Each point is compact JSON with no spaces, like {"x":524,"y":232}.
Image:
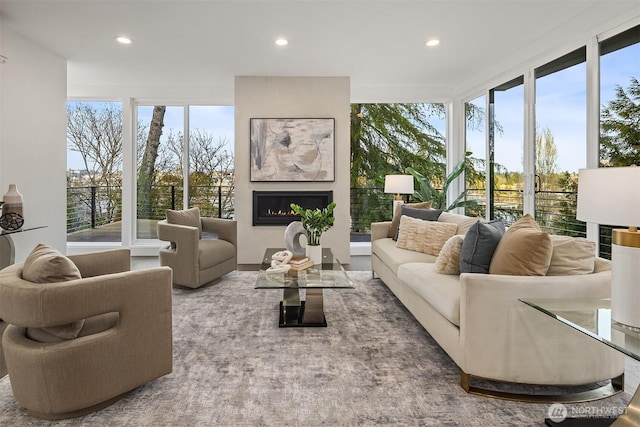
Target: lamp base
{"x":625,"y":277}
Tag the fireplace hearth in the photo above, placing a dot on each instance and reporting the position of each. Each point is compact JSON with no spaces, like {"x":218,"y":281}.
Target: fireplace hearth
{"x":273,"y":207}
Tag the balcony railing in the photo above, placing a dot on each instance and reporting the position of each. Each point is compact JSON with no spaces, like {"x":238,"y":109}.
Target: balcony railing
{"x":100,"y":208}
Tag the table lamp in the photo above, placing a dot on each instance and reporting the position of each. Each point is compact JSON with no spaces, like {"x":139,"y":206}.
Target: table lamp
{"x":611,"y":196}
{"x":398,"y":184}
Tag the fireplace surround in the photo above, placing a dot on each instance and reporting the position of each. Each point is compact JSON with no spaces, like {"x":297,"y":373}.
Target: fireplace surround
{"x":273,"y":207}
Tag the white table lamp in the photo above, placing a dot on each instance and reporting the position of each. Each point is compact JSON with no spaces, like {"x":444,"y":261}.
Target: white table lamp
{"x":398,"y":184}
{"x":611,"y":196}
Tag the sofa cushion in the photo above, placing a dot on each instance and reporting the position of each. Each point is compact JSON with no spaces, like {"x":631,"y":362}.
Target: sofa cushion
{"x":424,"y":214}
{"x":441,"y":291}
{"x":46,"y":265}
{"x":448,"y":261}
{"x":393,"y":257}
{"x":188,"y":217}
{"x":524,"y":250}
{"x":464,"y":222}
{"x":424,"y":236}
{"x":478,"y":246}
{"x":571,"y":255}
{"x":212,"y":252}
{"x":395,"y":222}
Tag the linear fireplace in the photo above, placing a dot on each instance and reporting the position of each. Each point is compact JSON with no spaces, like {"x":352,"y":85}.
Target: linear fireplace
{"x":273,"y":207}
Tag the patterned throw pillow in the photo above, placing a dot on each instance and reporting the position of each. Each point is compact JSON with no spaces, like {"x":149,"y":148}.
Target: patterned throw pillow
{"x":424,"y":236}
{"x":393,"y":228}
{"x":448,"y":261}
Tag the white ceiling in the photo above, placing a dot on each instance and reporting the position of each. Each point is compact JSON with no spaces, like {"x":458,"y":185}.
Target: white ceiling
{"x":189,"y":46}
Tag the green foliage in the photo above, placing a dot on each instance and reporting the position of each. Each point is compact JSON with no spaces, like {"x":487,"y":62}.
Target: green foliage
{"x":620,"y":128}
{"x":438,"y":197}
{"x":315,"y":221}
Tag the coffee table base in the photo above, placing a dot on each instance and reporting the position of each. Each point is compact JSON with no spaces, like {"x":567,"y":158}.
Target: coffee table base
{"x":296,"y":313}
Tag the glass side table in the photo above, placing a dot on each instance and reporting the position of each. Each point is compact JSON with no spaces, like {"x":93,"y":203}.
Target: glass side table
{"x":593,"y":318}
{"x":7,"y":248}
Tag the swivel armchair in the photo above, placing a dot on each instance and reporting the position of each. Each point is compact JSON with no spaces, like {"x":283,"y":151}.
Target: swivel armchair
{"x":194,"y":259}
{"x":125,"y":340}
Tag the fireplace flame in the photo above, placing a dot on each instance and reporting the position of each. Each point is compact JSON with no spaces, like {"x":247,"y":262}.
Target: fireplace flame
{"x":279,"y":212}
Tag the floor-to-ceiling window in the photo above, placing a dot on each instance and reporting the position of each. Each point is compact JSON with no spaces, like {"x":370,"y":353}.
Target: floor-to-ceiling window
{"x":94,"y":171}
{"x":560,"y":141}
{"x":619,"y":108}
{"x":506,"y":142}
{"x":183,"y":150}
{"x":476,"y":141}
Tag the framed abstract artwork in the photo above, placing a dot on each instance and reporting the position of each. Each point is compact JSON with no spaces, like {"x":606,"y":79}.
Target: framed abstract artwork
{"x":289,"y":150}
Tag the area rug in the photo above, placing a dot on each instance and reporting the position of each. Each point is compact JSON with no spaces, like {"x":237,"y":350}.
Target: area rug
{"x":373,"y":365}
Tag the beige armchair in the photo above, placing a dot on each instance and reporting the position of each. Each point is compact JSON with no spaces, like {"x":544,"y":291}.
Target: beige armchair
{"x":195,"y":260}
{"x":126,"y":340}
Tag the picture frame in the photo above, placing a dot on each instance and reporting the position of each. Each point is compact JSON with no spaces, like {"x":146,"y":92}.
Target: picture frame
{"x":292,"y":149}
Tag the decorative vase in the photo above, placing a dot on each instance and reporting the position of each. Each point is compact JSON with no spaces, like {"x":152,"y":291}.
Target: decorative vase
{"x":314,"y":253}
{"x":12,"y":215}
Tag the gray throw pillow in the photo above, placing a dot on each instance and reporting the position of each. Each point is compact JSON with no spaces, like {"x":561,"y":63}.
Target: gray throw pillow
{"x":478,"y":246}
{"x":426,"y":214}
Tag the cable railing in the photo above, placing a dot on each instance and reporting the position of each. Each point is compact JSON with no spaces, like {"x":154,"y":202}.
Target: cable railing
{"x":92,"y":207}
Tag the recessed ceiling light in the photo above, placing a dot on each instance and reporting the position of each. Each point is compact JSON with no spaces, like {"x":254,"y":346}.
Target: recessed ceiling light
{"x":123,"y":40}
{"x":432,"y":42}
{"x":282,"y":41}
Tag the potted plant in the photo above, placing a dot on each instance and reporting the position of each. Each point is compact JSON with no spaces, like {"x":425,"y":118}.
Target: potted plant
{"x":315,"y":222}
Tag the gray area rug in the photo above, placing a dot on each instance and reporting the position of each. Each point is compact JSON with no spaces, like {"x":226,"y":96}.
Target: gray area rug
{"x":373,"y":365}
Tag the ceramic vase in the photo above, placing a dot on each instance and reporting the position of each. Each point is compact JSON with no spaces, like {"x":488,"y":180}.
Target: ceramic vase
{"x":314,"y":253}
{"x":12,"y":200}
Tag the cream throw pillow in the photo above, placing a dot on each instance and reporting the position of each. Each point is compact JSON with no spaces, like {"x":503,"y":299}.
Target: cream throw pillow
{"x":395,"y":222}
{"x":448,"y":261}
{"x":572,"y":256}
{"x":524,"y":250}
{"x":189,"y":217}
{"x":424,"y":236}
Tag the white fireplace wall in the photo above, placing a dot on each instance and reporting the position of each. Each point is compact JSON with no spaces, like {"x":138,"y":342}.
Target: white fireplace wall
{"x":290,"y":97}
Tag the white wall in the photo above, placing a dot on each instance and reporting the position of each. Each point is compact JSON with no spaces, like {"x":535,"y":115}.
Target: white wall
{"x":33,"y":94}
{"x":294,"y":97}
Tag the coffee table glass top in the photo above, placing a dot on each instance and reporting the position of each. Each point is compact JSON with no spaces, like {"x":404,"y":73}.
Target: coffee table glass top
{"x":329,"y":274}
{"x":592,"y":317}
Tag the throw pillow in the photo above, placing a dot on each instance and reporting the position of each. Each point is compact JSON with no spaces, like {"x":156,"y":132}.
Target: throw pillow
{"x":478,"y":246}
{"x":189,"y":217}
{"x":46,"y":265}
{"x":448,"y":261}
{"x":423,"y":236}
{"x":393,"y":228}
{"x":524,"y":250}
{"x":571,"y":256}
{"x":425,"y":214}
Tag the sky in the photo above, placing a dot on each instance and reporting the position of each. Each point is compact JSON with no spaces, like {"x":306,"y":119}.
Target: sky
{"x":560,"y":106}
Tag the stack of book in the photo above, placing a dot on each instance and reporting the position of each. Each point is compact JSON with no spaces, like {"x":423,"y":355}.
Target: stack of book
{"x":300,"y":262}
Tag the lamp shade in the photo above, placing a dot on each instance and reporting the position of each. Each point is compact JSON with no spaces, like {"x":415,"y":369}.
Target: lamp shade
{"x":398,"y":184}
{"x":609,"y":196}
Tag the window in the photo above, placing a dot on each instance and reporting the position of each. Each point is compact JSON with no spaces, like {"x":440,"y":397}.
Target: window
{"x":561,"y":141}
{"x":94,"y":171}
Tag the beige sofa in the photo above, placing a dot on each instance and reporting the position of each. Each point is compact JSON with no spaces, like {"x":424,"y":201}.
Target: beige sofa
{"x":479,"y":322}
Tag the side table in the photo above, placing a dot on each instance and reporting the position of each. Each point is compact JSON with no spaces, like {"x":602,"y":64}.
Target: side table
{"x":593,"y":318}
{"x":7,"y":248}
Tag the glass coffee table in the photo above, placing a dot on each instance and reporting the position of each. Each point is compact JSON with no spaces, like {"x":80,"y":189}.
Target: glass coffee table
{"x":295,"y":312}
{"x":593,"y":318}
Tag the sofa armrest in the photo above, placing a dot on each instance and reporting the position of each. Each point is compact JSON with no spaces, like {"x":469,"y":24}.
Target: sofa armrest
{"x":226,"y":229}
{"x":379,"y":230}
{"x":506,"y":340}
{"x":100,"y":263}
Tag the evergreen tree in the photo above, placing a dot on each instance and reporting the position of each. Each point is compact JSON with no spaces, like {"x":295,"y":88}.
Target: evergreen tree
{"x":620,"y":128}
